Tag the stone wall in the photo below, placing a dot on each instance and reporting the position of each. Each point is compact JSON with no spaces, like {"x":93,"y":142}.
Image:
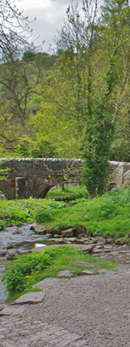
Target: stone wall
{"x":117,"y":172}
{"x":34,"y":177}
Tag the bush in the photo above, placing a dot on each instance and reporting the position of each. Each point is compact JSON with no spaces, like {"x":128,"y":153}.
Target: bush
{"x":43,"y":216}
{"x":68,"y":194}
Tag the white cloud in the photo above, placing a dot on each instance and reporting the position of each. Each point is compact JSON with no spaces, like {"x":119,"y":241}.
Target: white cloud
{"x":49,"y":14}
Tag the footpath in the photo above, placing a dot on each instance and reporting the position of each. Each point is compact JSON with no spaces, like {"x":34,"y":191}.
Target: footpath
{"x":81,"y":311}
{"x":16,"y":329}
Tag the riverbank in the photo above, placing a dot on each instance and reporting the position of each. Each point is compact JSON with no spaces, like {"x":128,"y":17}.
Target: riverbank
{"x":100,"y":216}
{"x":23,"y":239}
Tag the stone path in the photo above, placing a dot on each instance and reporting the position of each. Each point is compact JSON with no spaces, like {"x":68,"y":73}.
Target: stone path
{"x":82,"y":311}
{"x":16,"y":330}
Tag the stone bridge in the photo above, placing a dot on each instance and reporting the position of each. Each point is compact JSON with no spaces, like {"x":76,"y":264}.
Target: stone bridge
{"x":34,"y":177}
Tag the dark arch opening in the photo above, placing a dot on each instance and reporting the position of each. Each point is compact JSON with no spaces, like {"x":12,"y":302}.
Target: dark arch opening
{"x":44,"y":192}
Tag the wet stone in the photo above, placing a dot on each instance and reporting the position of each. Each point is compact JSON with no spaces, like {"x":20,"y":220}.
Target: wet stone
{"x":38,"y":228}
{"x":10,"y":254}
{"x":67,"y":233}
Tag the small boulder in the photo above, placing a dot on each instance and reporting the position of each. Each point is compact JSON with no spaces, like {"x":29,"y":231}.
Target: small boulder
{"x":48,"y":236}
{"x":39,"y":245}
{"x":98,"y":249}
{"x":38,"y":228}
{"x":81,"y":230}
{"x":88,"y":248}
{"x":10,"y":254}
{"x":101,"y":241}
{"x":67,"y":233}
{"x":17,"y":232}
{"x":120,"y":242}
{"x":111,"y":239}
{"x":87,"y":272}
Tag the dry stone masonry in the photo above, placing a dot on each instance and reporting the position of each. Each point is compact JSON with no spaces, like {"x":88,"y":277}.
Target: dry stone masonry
{"x":34,"y":177}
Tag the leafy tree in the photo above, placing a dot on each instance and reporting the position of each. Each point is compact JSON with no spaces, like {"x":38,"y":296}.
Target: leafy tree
{"x":99,"y":132}
{"x":116,"y":17}
{"x":28,"y":56}
{"x":18,"y":79}
{"x":14,"y":30}
{"x":96,"y":109}
{"x":75,"y":102}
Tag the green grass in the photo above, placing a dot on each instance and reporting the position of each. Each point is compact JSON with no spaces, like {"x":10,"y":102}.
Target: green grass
{"x":109,"y":213}
{"x":26,"y":270}
{"x":68,"y":194}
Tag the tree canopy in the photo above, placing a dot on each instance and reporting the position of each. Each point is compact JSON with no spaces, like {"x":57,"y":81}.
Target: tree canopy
{"x":75,"y":102}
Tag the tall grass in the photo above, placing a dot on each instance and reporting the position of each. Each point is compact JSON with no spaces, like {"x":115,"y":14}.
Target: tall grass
{"x":109,"y":213}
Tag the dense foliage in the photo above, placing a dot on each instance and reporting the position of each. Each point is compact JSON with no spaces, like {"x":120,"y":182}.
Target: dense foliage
{"x":75,"y":102}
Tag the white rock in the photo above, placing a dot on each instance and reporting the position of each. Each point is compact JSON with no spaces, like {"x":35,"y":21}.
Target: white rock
{"x":39,"y":245}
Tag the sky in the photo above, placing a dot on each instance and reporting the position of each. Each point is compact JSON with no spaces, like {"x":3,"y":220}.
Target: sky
{"x":50,"y":16}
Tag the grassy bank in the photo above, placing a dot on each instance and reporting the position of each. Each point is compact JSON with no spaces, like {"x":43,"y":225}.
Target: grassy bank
{"x":26,"y":270}
{"x":109,"y":213}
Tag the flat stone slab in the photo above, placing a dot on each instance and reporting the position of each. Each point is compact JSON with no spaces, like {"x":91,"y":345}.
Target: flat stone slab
{"x":57,"y":240}
{"x":87,"y":272}
{"x":107,"y":248}
{"x":65,"y":273}
{"x":12,"y":310}
{"x":67,"y":233}
{"x":98,"y":250}
{"x":30,"y":298}
{"x":47,"y":282}
{"x":71,"y":239}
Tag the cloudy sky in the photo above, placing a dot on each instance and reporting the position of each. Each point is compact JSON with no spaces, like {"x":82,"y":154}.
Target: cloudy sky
{"x":49,"y":14}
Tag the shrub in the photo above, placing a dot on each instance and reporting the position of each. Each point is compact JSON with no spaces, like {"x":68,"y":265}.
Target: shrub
{"x":43,"y":216}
